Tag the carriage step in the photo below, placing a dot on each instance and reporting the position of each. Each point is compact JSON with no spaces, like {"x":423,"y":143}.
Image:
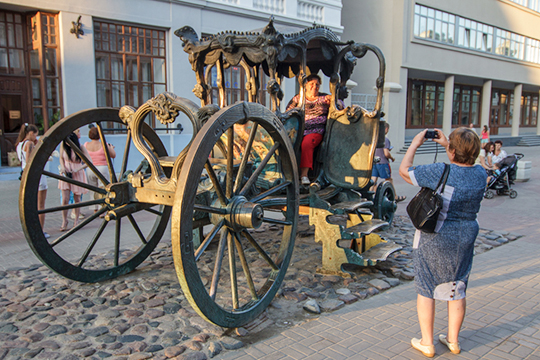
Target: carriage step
{"x":167,"y":161}
{"x":351,"y":207}
{"x":381,"y":251}
{"x":364,"y":228}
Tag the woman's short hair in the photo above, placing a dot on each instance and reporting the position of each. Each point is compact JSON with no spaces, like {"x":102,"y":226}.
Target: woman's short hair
{"x":466,"y":144}
{"x":314,"y":77}
{"x":93,"y":133}
{"x":498,"y":142}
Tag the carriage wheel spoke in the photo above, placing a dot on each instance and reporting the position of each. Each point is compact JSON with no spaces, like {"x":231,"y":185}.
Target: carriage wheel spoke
{"x":271,"y":191}
{"x":75,"y":182}
{"x":217,"y":264}
{"x":78,"y":227}
{"x":259,"y":169}
{"x":232,"y":270}
{"x":87,"y":161}
{"x":72,"y":206}
{"x":92,"y":243}
{"x":260,"y":250}
{"x":107,"y":154}
{"x":245,"y":267}
{"x":208,"y":239}
{"x":126,"y":155}
{"x":117,"y":241}
{"x":210,"y":209}
{"x":154,"y":211}
{"x":230,"y":159}
{"x":215,"y":182}
{"x":275,"y":221}
{"x":137,"y":229}
{"x":245,"y":158}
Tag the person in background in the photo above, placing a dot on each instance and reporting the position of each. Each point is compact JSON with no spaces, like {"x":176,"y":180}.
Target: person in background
{"x":484,"y":157}
{"x":316,"y":113}
{"x":484,"y":135}
{"x":71,"y":166}
{"x":443,"y":260}
{"x":99,"y":159}
{"x":25,"y":145}
{"x":498,"y":154}
{"x":382,"y":168}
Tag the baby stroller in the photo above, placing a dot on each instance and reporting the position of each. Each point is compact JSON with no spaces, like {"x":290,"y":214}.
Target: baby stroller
{"x":502,"y":180}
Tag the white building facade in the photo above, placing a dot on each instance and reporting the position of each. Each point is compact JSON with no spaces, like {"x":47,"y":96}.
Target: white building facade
{"x":452,"y":63}
{"x":124,"y":53}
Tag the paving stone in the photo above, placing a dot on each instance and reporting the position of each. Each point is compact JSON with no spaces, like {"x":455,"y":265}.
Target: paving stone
{"x":312,"y":306}
{"x":230,"y":343}
{"x":331,"y":305}
{"x":379,"y":284}
{"x":173,"y":351}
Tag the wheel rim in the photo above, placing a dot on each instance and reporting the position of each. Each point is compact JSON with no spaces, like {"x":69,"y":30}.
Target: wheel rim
{"x":385,"y":204}
{"x":106,"y":250}
{"x":236,"y":210}
{"x":513,"y":194}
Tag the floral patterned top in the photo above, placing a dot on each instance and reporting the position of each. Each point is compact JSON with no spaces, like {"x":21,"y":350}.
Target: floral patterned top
{"x":316,"y":113}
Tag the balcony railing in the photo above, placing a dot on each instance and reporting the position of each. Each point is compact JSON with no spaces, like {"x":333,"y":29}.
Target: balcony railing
{"x":309,"y":11}
{"x":271,"y":6}
{"x":324,"y":12}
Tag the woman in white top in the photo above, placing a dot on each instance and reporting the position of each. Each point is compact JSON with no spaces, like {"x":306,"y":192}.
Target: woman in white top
{"x":25,"y":145}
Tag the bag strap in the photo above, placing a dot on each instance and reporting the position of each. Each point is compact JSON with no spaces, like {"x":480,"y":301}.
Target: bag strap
{"x":444,"y":177}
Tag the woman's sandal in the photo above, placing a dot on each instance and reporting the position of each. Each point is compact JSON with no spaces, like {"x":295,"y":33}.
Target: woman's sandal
{"x":453,"y":347}
{"x":400,"y":198}
{"x":427,"y":350}
{"x":64,"y":227}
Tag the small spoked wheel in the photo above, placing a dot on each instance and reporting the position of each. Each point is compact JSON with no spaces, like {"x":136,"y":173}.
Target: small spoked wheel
{"x":384,"y":203}
{"x":489,"y":194}
{"x":100,"y":246}
{"x":237,"y":165}
{"x":513,"y":194}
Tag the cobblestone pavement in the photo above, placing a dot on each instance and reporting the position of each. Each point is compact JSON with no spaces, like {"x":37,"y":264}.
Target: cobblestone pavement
{"x":145,"y":315}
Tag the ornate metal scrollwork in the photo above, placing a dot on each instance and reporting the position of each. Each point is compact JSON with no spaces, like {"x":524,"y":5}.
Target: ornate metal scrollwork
{"x":163,"y":107}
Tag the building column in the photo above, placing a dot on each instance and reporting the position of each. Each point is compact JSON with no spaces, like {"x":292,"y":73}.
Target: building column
{"x":486,"y":104}
{"x":516,"y":117}
{"x":448,"y":104}
{"x":538,"y":120}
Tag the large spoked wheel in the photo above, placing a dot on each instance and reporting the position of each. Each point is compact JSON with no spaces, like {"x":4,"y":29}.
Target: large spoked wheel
{"x":240,"y":159}
{"x":384,"y":202}
{"x":94,"y":249}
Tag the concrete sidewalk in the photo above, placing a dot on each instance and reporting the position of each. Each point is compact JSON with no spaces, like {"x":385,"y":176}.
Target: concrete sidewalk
{"x":502,"y":321}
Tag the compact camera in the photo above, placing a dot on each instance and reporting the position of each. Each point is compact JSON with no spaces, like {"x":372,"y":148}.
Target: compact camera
{"x":431,"y":134}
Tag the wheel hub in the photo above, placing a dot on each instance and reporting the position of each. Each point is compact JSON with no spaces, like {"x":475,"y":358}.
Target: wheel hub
{"x":241,"y":214}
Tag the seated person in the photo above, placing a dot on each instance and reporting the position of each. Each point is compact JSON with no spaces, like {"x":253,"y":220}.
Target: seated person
{"x":498,"y":155}
{"x":484,"y":157}
{"x":316,"y":112}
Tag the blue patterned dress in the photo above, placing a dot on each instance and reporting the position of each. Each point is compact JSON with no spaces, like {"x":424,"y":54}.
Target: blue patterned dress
{"x":443,"y":260}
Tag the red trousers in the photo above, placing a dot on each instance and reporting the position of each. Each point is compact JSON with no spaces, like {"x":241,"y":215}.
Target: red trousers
{"x":309,"y":143}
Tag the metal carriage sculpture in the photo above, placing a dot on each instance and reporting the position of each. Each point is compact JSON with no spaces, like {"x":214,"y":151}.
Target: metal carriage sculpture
{"x":238,"y":172}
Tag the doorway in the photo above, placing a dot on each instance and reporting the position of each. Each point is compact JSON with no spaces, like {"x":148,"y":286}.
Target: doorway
{"x":13,"y":112}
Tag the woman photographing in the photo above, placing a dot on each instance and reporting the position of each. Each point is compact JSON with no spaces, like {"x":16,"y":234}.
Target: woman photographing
{"x":443,"y":260}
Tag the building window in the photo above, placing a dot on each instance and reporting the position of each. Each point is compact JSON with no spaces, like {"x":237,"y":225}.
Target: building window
{"x":466,"y":105}
{"x":531,"y":4}
{"x":434,"y":24}
{"x":475,"y":35}
{"x":425,"y":104}
{"x":44,"y":54}
{"x":130,"y":64}
{"x":235,"y":88}
{"x":529,"y":109}
{"x":510,"y":44}
{"x":502,"y":102}
{"x":444,"y":27}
